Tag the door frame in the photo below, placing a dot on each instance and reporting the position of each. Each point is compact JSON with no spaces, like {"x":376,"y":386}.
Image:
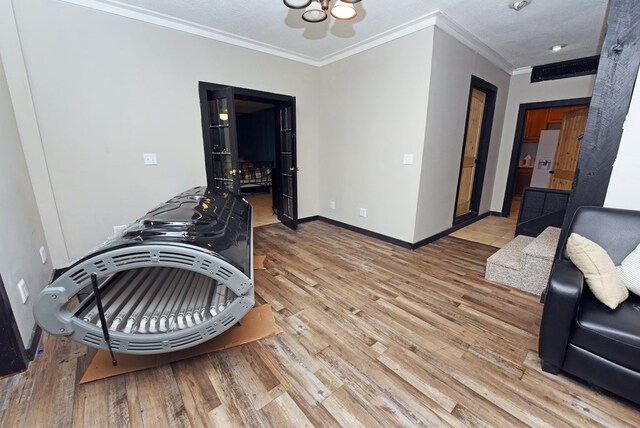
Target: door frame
{"x":517,"y":140}
{"x":491,"y":92}
{"x":13,"y":359}
{"x":262,"y":96}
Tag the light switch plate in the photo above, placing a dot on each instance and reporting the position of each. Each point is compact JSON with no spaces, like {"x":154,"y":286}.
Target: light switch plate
{"x":24,"y":293}
{"x":363,"y":212}
{"x":43,"y":255}
{"x":407,"y":159}
{"x":150,"y":159}
{"x":333,"y":205}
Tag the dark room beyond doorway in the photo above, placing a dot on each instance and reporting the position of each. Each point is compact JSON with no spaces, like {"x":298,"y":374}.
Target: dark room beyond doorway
{"x":256,"y":130}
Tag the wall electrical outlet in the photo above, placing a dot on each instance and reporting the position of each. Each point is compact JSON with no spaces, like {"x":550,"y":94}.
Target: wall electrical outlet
{"x":43,"y":255}
{"x":407,"y":159}
{"x":333,"y":205}
{"x":150,"y":159}
{"x":24,"y":293}
{"x":363,"y":212}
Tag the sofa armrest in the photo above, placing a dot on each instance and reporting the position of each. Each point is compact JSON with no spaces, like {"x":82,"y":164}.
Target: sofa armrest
{"x":563,"y":294}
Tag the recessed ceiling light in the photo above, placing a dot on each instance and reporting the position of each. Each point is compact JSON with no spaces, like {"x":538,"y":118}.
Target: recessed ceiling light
{"x":556,"y":48}
{"x":520,"y":4}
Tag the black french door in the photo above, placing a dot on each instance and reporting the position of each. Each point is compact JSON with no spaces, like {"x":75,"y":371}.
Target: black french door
{"x":220,"y":141}
{"x":221,"y":144}
{"x":286,"y":164}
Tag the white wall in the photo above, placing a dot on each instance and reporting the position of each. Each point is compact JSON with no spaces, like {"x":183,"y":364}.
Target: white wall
{"x":21,"y":233}
{"x":374,"y":107}
{"x":625,"y":178}
{"x":522,"y":91}
{"x":452,"y":67}
{"x":27,"y":123}
{"x":107,"y":89}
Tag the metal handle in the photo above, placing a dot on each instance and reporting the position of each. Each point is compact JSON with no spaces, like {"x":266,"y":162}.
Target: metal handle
{"x":294,"y":169}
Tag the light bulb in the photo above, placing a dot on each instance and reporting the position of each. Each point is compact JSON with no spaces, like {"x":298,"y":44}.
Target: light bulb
{"x":343,"y":10}
{"x":314,"y":13}
{"x":297,"y":4}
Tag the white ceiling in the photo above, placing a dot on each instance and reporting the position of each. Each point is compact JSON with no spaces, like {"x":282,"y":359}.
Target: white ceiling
{"x":517,"y":39}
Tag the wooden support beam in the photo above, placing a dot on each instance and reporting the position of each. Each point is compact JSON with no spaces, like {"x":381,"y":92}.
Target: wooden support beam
{"x":617,"y":73}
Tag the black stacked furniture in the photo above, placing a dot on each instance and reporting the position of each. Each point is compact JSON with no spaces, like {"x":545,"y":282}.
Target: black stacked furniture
{"x":578,"y":334}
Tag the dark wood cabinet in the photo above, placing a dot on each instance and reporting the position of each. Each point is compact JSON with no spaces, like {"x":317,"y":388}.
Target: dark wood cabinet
{"x":556,"y":114}
{"x":536,"y":122}
{"x":523,"y":179}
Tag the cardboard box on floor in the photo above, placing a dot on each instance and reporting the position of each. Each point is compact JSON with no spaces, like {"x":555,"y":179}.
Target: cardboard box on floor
{"x":257,"y":324}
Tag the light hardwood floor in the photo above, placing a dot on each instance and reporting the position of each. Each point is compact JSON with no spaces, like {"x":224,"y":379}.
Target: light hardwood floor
{"x":374,"y":335}
{"x":262,"y":209}
{"x":493,"y":230}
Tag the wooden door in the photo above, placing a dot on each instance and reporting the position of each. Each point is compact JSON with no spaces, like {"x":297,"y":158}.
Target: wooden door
{"x":470,"y":151}
{"x":568,"y":150}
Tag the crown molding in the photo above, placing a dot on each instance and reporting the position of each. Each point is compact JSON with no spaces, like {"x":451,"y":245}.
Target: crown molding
{"x":521,"y":70}
{"x":466,"y":38}
{"x":167,"y":21}
{"x":436,"y":18}
{"x":410,"y":27}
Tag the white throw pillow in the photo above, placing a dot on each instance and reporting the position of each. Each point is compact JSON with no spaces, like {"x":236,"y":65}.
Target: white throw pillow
{"x":629,"y":270}
{"x":598,"y":269}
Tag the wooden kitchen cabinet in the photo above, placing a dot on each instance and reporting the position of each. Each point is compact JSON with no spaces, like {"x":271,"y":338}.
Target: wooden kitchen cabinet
{"x":536,"y":122}
{"x":523,"y":179}
{"x":556,"y":114}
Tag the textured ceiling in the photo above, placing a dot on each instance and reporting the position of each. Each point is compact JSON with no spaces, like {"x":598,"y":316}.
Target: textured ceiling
{"x":521,"y":38}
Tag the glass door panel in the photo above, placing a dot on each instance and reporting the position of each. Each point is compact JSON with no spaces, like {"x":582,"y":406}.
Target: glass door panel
{"x":220,"y":141}
{"x":287,"y":160}
{"x":221,"y":147}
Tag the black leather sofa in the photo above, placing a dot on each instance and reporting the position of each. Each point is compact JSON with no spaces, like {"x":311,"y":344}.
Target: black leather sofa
{"x":578,"y":334}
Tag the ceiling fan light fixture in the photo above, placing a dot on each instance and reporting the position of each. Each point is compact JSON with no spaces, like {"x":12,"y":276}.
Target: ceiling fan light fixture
{"x":520,"y":4}
{"x":343,"y":10}
{"x":297,"y":4}
{"x":314,"y":13}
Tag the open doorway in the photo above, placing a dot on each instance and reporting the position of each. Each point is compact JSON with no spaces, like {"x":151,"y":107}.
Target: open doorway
{"x":250,"y":149}
{"x":481,"y":106}
{"x":256,"y":131}
{"x":546,"y":149}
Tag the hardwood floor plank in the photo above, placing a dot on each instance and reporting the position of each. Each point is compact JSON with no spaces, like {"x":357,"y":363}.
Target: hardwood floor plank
{"x":283,"y":411}
{"x":133,"y":401}
{"x":197,"y":392}
{"x":372,"y":335}
{"x":349,"y":411}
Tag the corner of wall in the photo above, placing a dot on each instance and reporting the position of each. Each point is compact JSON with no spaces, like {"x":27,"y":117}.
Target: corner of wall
{"x":25,"y":115}
{"x":21,"y":233}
